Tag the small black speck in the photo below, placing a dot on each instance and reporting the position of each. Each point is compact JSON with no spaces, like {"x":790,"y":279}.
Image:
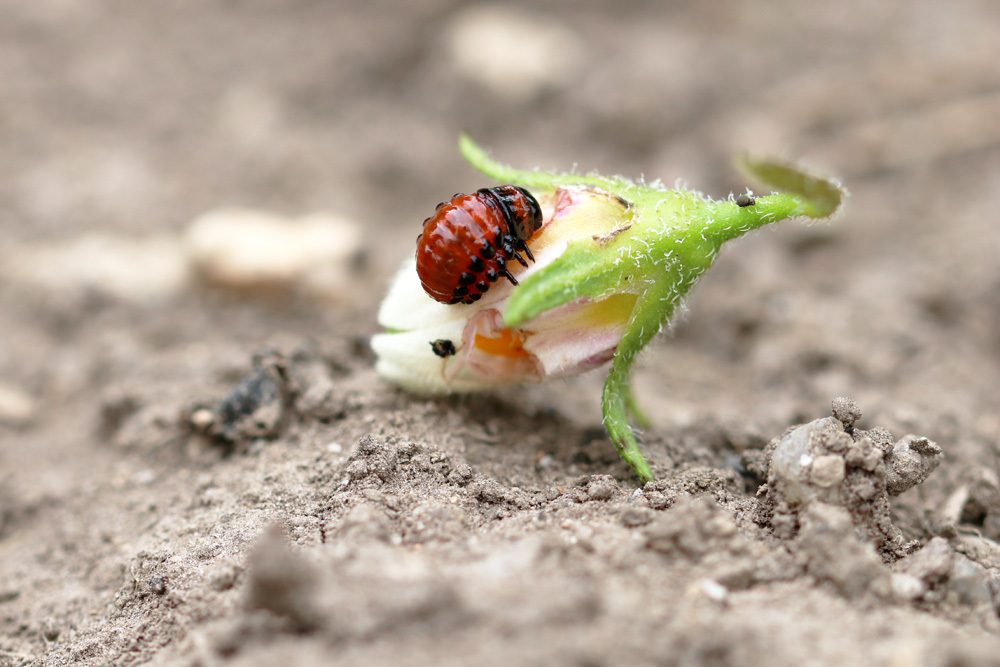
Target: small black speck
{"x":743,"y":200}
{"x":158,"y":584}
{"x":443,"y":347}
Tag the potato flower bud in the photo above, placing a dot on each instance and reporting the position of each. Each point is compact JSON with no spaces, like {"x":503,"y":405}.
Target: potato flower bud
{"x":613,"y":257}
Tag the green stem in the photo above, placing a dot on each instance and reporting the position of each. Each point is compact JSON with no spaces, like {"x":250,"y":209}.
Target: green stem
{"x":639,"y":416}
{"x":651,"y":311}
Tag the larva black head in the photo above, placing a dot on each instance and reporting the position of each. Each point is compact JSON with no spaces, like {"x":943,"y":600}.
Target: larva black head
{"x":443,"y":347}
{"x":520,"y":208}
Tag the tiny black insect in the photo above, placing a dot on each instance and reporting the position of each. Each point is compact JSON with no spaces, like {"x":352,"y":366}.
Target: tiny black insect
{"x":743,"y":200}
{"x":443,"y":347}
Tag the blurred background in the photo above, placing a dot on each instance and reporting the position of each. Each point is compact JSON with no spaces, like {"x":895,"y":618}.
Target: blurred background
{"x":182,"y":183}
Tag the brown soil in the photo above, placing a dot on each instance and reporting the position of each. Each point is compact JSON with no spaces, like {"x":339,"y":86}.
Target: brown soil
{"x":149,"y":515}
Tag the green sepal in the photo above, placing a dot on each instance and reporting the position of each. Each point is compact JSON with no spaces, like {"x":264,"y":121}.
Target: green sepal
{"x":580,"y":272}
{"x":671,"y":238}
{"x":819,"y":197}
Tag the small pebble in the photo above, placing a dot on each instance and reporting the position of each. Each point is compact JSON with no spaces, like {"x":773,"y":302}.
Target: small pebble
{"x":827,"y":471}
{"x":223,"y":576}
{"x":910,"y":462}
{"x":633,"y":517}
{"x":249,"y":249}
{"x":17,"y":407}
{"x":158,"y":584}
{"x":132,"y":269}
{"x":601,"y":488}
{"x":906,"y":587}
{"x":932,"y":564}
{"x":846,"y":411}
{"x":479,"y":40}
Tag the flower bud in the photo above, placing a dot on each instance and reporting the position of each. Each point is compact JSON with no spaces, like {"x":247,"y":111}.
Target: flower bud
{"x":613,"y":260}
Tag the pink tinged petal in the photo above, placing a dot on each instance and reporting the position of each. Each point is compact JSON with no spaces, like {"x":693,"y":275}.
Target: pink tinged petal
{"x":494,"y":353}
{"x":579,"y":336}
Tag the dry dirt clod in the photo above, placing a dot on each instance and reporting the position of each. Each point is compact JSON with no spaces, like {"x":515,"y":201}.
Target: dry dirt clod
{"x":601,"y":487}
{"x":312,"y":386}
{"x":932,"y":564}
{"x":281,"y":581}
{"x":824,"y":461}
{"x":256,"y":408}
{"x":223,"y":576}
{"x":365,"y":521}
{"x":373,"y":458}
{"x":910,"y":462}
{"x":693,"y":527}
{"x":833,"y":552}
{"x":940,"y":568}
{"x":846,"y":411}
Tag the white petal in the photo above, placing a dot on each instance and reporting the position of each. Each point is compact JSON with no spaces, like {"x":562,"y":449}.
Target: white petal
{"x":406,"y":358}
{"x":407,"y":306}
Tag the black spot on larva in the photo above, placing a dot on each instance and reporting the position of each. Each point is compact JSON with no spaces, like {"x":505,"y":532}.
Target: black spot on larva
{"x":467,"y":278}
{"x":443,"y":347}
{"x":743,"y":200}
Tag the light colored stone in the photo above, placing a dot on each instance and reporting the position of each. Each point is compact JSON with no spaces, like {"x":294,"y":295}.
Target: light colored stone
{"x":906,"y":587}
{"x":134,"y":269}
{"x":932,"y":564}
{"x":17,"y":407}
{"x":909,"y":463}
{"x":489,"y":43}
{"x":827,"y":471}
{"x":969,"y":581}
{"x":710,"y":589}
{"x":243,"y":248}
